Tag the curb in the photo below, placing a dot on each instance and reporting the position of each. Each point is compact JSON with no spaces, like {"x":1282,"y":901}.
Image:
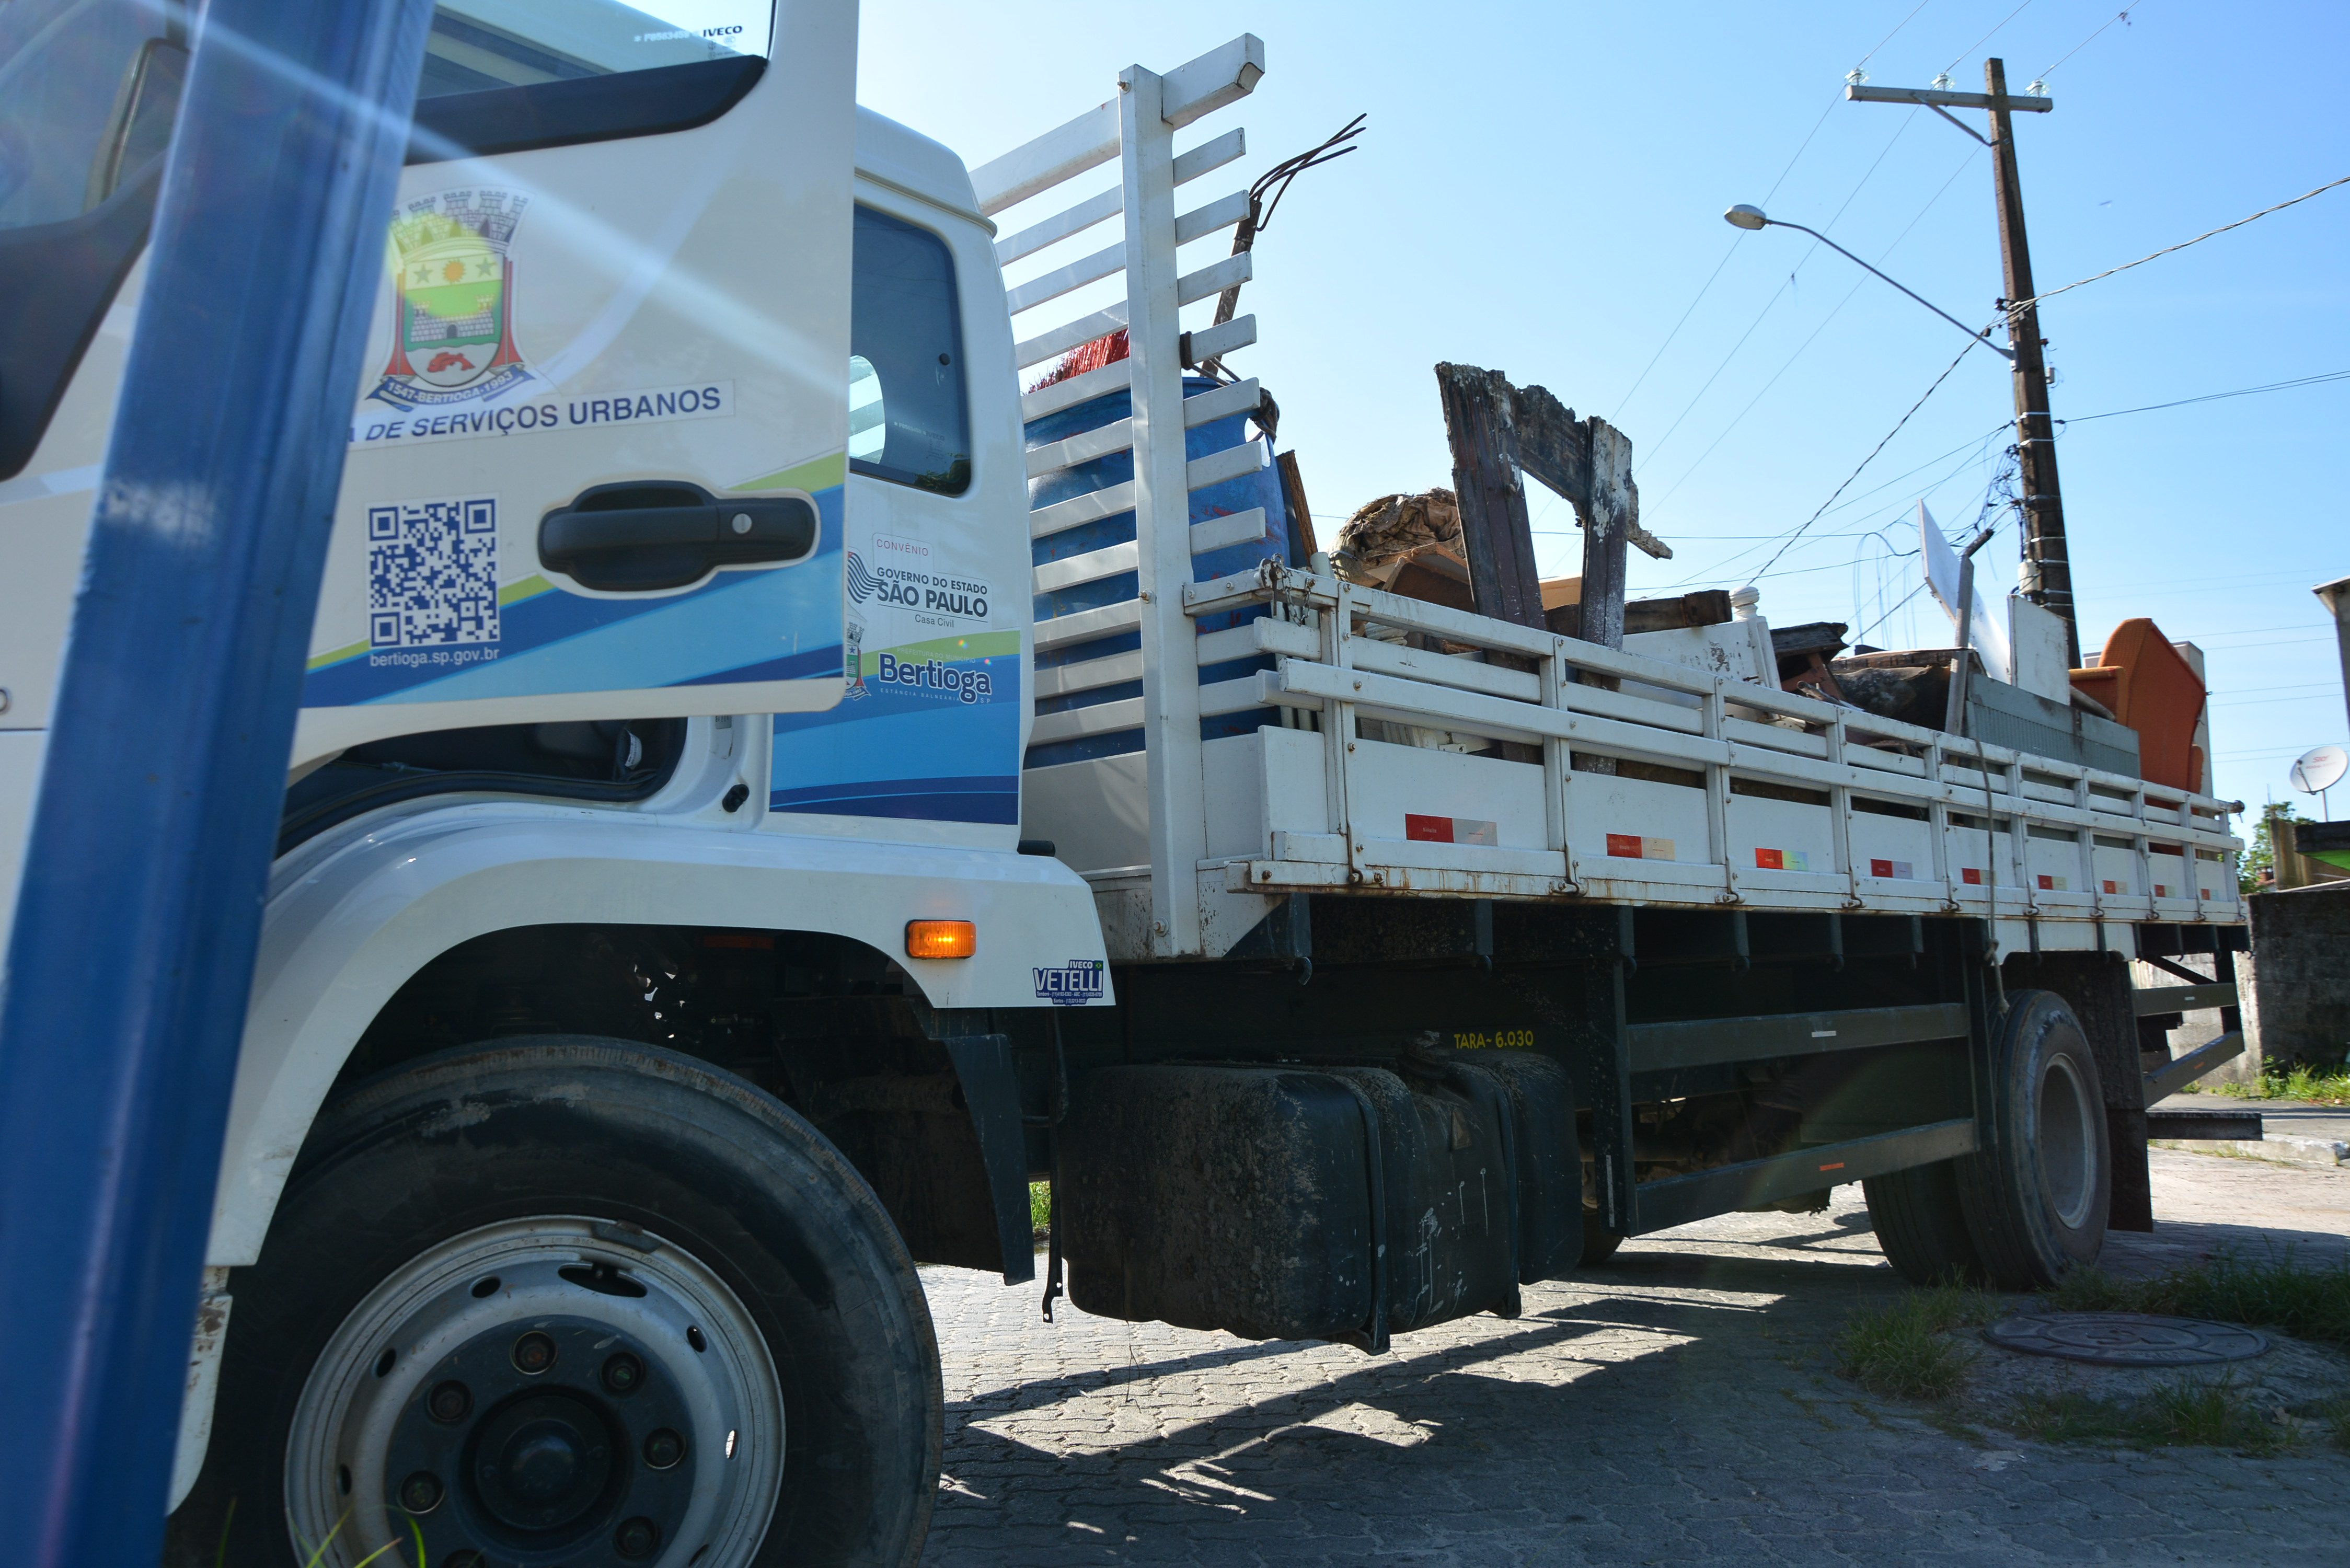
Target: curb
{"x":2277,"y":1150}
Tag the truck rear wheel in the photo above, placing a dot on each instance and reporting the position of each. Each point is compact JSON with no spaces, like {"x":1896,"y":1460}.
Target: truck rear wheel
{"x":2035,"y":1197}
{"x":1922,"y":1226}
{"x":572,"y":1300}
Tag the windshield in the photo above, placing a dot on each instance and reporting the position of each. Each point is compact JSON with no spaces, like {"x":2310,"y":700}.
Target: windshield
{"x":88,"y":87}
{"x":478,"y":45}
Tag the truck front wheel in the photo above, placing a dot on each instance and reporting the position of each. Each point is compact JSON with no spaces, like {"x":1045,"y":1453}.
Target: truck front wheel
{"x":578,"y":1300}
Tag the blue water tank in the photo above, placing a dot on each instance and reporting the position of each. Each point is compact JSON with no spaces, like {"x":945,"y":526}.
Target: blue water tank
{"x":1260,"y":488}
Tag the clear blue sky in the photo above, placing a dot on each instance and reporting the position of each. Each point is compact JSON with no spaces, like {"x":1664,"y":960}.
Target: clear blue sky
{"x":1540,"y":192}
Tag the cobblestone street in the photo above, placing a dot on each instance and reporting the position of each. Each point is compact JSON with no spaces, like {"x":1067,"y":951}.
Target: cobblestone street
{"x":1676,"y":1406}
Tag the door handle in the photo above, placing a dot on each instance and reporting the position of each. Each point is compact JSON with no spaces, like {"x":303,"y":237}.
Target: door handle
{"x":635,"y":537}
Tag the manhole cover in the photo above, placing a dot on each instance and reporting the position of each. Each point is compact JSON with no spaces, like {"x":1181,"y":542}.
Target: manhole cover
{"x":2126,"y":1338}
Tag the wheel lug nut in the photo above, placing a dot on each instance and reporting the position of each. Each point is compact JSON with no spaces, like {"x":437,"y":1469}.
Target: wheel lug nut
{"x":534,"y":1353}
{"x":623,"y":1374}
{"x":420,"y":1492}
{"x":664,"y":1449}
{"x":635,"y":1537}
{"x":451,"y":1401}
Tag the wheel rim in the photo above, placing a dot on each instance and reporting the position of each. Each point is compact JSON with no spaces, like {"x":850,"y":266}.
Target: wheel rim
{"x":542,"y":1391}
{"x":2068,"y":1142}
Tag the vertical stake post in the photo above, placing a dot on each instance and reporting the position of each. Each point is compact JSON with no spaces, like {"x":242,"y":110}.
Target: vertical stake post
{"x":1162,"y":520}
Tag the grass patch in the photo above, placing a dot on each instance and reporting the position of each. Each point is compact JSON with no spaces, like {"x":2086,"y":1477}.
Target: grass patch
{"x":1907,"y":1349}
{"x":2178,"y":1414}
{"x":1904,"y":1348}
{"x":2308,"y":1302}
{"x":2313,"y":1086}
{"x":1040,"y":1207}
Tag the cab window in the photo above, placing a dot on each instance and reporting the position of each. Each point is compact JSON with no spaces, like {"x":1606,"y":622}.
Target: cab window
{"x":908,"y":422}
{"x":480,"y":45}
{"x":87,"y":89}
{"x":87,"y":93}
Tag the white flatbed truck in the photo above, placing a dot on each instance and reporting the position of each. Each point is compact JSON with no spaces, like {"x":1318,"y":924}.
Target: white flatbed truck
{"x":767,"y":790}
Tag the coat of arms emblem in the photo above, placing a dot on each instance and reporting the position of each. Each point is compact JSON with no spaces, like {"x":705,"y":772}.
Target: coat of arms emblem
{"x":453,"y":300}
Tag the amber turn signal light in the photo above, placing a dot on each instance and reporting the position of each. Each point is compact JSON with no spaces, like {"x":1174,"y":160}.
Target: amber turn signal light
{"x":941,"y":938}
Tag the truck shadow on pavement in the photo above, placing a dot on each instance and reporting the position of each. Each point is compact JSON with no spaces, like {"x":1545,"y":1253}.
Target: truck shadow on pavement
{"x":1676,"y":1405}
{"x":1658,"y":1371}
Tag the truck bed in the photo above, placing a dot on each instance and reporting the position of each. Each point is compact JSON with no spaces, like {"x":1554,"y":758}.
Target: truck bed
{"x":1391,"y":746}
{"x":1617,"y":778}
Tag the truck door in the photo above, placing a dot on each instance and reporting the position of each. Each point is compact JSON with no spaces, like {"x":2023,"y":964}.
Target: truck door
{"x":597,"y":457}
{"x":930,"y":731}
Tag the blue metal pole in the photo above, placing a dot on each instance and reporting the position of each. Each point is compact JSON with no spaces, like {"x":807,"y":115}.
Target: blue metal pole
{"x":140,"y":905}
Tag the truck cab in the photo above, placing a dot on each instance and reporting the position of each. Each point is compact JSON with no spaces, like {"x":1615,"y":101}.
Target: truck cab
{"x":661,"y":738}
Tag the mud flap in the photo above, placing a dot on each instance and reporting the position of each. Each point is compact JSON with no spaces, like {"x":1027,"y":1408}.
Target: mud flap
{"x":982,"y":1064}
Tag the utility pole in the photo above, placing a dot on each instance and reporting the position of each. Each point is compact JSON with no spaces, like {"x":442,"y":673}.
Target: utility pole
{"x":2048,"y":568}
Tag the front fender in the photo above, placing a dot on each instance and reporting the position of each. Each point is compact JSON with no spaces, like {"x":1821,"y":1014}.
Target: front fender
{"x":345,"y":927}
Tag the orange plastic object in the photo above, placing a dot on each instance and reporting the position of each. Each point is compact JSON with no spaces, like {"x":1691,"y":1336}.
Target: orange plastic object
{"x":941,"y":938}
{"x":2149,"y":687}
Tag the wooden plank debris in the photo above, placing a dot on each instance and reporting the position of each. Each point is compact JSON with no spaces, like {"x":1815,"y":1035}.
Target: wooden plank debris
{"x":1495,"y":532}
{"x":1293,"y":489}
{"x":1498,"y":432}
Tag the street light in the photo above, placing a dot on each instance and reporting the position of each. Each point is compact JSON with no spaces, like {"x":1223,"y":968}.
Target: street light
{"x":1744,"y":216}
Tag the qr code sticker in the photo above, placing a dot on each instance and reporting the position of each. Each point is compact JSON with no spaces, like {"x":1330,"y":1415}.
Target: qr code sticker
{"x":432,"y":573}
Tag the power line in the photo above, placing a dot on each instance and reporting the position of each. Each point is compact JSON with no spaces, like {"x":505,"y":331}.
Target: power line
{"x":1889,"y":614}
{"x":2121,"y":16}
{"x":1691,"y":407}
{"x":1920,"y":587}
{"x":1977,"y":443}
{"x":1803,"y":347}
{"x":2264,"y":632}
{"x":1718,"y":568}
{"x":1864,"y":461}
{"x":2214,"y":397}
{"x":1889,"y":37}
{"x":1703,"y":288}
{"x":2209,"y":397}
{"x":2327,"y":696}
{"x":1986,"y":37}
{"x":2050,"y":294}
{"x":1623,"y":401}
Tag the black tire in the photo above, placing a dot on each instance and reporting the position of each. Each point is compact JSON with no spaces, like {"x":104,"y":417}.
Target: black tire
{"x":2035,"y":1198}
{"x":1922,"y":1227}
{"x":1599,"y":1243}
{"x":630,"y":1141}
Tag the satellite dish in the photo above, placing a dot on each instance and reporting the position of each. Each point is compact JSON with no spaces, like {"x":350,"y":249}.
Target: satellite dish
{"x":2320,"y":769}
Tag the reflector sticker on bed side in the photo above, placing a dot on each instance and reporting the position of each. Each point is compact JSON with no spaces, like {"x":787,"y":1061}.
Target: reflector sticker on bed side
{"x":1783,"y":860}
{"x":1633,"y":847}
{"x":1899,"y":870}
{"x":1448,"y":829}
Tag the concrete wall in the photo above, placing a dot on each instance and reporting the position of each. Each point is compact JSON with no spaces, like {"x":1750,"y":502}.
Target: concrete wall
{"x":2301,"y":975}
